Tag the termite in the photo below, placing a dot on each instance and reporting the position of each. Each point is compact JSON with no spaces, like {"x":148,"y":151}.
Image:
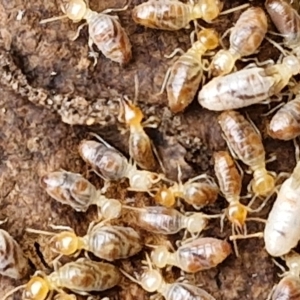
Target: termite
{"x":74,"y":190}
{"x":289,"y":286}
{"x":248,"y":86}
{"x":13,"y":262}
{"x":245,"y":38}
{"x":282,"y":231}
{"x":166,"y":220}
{"x":245,"y":143}
{"x":152,"y":281}
{"x":287,"y":21}
{"x":140,"y":145}
{"x":285,"y":124}
{"x":182,"y":80}
{"x":197,"y":255}
{"x":198,"y":192}
{"x":104,"y":31}
{"x":104,"y":241}
{"x":110,"y":164}
{"x":81,"y":277}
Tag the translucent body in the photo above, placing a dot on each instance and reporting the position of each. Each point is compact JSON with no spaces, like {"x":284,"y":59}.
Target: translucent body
{"x":81,"y":276}
{"x":140,"y":148}
{"x":106,"y":242}
{"x":246,"y":36}
{"x":74,"y":190}
{"x":195,"y":256}
{"x":247,"y":145}
{"x":174,"y":15}
{"x":287,"y":21}
{"x":104,"y":31}
{"x":186,"y":73}
{"x":230,"y":182}
{"x":282,"y":231}
{"x":165,"y":220}
{"x":105,"y":161}
{"x":285,"y":124}
{"x":198,"y":193}
{"x":289,"y":286}
{"x":13,"y":263}
{"x":248,"y":86}
{"x":112,"y":164}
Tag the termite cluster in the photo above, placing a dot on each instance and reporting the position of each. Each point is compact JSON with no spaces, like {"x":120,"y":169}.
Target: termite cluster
{"x":177,"y":205}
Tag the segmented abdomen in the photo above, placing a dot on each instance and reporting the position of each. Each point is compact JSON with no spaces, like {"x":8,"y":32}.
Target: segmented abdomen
{"x":236,"y":90}
{"x":287,"y":289}
{"x":12,"y":260}
{"x":161,"y":14}
{"x":242,"y":138}
{"x":114,"y":242}
{"x":110,"y":38}
{"x":183,"y":83}
{"x":85,"y":275}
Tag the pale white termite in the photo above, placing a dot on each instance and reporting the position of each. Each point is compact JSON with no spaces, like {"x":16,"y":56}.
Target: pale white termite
{"x":111,"y":164}
{"x":248,"y":86}
{"x":107,"y":242}
{"x":13,"y":262}
{"x":289,"y":286}
{"x":104,"y":31}
{"x":282,"y":231}
{"x":197,"y":255}
{"x":152,"y":281}
{"x":174,"y":15}
{"x":285,"y":124}
{"x":74,"y":190}
{"x":166,"y":220}
{"x":245,"y":38}
{"x":81,"y":276}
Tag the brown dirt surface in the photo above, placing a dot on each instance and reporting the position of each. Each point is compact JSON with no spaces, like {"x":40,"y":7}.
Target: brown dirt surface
{"x":50,"y":93}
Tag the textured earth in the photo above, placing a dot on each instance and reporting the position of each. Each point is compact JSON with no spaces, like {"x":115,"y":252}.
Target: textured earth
{"x":52,"y":97}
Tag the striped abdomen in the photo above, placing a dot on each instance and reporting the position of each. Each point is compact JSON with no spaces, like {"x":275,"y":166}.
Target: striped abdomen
{"x":70,"y":189}
{"x":185,"y":291}
{"x":110,"y":38}
{"x":286,"y":20}
{"x":242,"y":138}
{"x":84,"y":275}
{"x":237,"y":90}
{"x":158,"y":219}
{"x":287,"y":289}
{"x":249,"y":31}
{"x":113,"y":242}
{"x":184,"y":81}
{"x":285,"y":124}
{"x":162,"y":14}
{"x":202,"y":254}
{"x":229,"y":179}
{"x":12,"y":260}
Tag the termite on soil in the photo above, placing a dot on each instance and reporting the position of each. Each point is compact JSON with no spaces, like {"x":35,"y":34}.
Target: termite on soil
{"x":245,"y":38}
{"x":104,"y":31}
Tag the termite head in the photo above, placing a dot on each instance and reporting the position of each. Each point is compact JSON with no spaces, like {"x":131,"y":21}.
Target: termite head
{"x":36,"y":289}
{"x":237,"y":213}
{"x":75,"y":10}
{"x":131,"y":114}
{"x":64,"y":296}
{"x":65,"y":243}
{"x":263,"y":182}
{"x":160,"y":256}
{"x":111,"y":209}
{"x":196,"y":223}
{"x":223,"y":62}
{"x":209,"y":38}
{"x":208,"y":9}
{"x":165,"y":197}
{"x":293,"y":63}
{"x":292,"y":260}
{"x":151,"y":280}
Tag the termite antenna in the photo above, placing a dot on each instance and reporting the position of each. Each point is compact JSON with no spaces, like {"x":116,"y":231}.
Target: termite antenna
{"x":13,"y":291}
{"x":231,"y":10}
{"x":53,"y":19}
